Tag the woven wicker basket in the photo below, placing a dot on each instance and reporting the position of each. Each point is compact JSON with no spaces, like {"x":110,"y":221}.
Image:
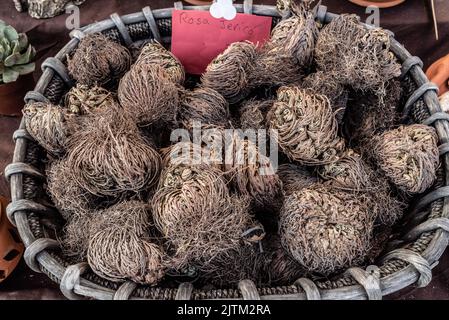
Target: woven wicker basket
{"x":410,"y":256}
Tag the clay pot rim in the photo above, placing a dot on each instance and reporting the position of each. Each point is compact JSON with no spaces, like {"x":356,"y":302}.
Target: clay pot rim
{"x":378,"y":3}
{"x":438,"y":73}
{"x":199,"y":2}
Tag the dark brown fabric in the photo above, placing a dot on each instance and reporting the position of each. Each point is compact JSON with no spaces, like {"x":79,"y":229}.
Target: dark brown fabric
{"x":411,"y":22}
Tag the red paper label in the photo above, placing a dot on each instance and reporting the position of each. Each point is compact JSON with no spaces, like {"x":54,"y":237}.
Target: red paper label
{"x":197,"y":37}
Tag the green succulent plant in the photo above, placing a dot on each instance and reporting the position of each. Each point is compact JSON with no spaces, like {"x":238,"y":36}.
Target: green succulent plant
{"x":16,"y":54}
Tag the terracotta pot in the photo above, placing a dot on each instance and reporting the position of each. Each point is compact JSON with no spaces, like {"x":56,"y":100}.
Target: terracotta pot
{"x":11,"y":247}
{"x":199,"y":2}
{"x":438,"y":73}
{"x":12,"y":94}
{"x":444,"y":101}
{"x":377,"y":3}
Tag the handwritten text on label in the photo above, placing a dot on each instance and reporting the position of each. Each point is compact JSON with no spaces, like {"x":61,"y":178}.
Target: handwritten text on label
{"x":197,"y":37}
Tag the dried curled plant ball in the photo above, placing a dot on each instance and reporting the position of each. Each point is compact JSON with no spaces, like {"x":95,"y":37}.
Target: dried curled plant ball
{"x":110,"y":156}
{"x":148,"y":95}
{"x":349,"y":172}
{"x":326,"y":84}
{"x":251,"y":172}
{"x":230,"y":72}
{"x":360,"y":57}
{"x":352,"y":173}
{"x":275,"y":67}
{"x":98,"y":61}
{"x":372,"y":113}
{"x":408,"y":156}
{"x":83,"y":100}
{"x":204,"y":105}
{"x":297,"y":35}
{"x":120,"y":249}
{"x":86,"y":217}
{"x":156,"y":54}
{"x":305,"y":126}
{"x":294,"y":178}
{"x":194,"y":211}
{"x":253,"y":114}
{"x":117,"y":254}
{"x":289,"y":53}
{"x":47,"y":124}
{"x":325,"y":229}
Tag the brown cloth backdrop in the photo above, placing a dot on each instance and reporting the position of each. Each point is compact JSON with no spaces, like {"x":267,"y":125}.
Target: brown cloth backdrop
{"x":411,"y":22}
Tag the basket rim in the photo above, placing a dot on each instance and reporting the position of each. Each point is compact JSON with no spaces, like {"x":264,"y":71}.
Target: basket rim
{"x":74,"y":286}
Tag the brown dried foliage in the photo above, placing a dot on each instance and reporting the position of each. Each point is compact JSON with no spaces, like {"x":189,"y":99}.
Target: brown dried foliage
{"x":98,"y":61}
{"x":306,"y":126}
{"x":408,"y":156}
{"x":148,"y":94}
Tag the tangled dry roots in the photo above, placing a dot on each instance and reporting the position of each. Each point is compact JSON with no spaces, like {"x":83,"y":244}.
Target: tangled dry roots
{"x":253,"y":114}
{"x":360,"y":57}
{"x":98,"y":61}
{"x":148,"y":94}
{"x":230,"y":267}
{"x":306,"y":126}
{"x":119,"y":246}
{"x":67,"y":195}
{"x":352,"y":173}
{"x":251,"y":172}
{"x":155,"y":54}
{"x":110,"y":157}
{"x":325,"y":229}
{"x":75,"y":236}
{"x":287,"y":56}
{"x":294,"y":178}
{"x":47,"y":124}
{"x":275,"y":67}
{"x":372,"y":113}
{"x":83,"y":100}
{"x":279,"y":267}
{"x":230,"y":72}
{"x":196,"y":214}
{"x":408,"y":156}
{"x":131,"y":215}
{"x":204,"y":105}
{"x":326,"y":84}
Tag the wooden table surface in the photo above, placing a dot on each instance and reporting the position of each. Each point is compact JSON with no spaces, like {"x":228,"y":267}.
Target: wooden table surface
{"x":411,"y":22}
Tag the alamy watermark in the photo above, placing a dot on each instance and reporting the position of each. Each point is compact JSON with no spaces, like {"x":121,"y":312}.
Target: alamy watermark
{"x":373,"y":18}
{"x":226,"y":147}
{"x":73,"y":21}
